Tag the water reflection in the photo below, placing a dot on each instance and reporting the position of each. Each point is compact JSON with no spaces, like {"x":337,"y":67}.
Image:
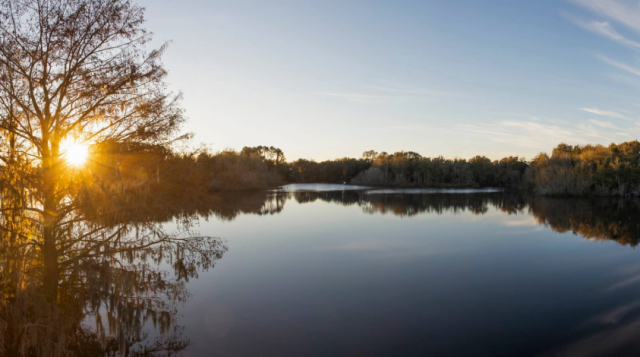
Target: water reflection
{"x":118,"y":282}
{"x":598,"y":220}
{"x":423,"y":273}
{"x":612,"y":333}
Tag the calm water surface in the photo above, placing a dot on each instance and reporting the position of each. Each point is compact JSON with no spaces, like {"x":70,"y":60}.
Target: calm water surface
{"x":318,"y":270}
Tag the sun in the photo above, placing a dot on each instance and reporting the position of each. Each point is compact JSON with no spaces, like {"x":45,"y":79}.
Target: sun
{"x":75,"y":154}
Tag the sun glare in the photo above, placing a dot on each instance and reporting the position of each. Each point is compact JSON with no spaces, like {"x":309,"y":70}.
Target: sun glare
{"x":75,"y":154}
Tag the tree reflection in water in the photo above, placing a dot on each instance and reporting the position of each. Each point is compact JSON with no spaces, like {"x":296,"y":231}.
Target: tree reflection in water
{"x":593,"y":219}
{"x":114,"y":286}
{"x":112,"y":282}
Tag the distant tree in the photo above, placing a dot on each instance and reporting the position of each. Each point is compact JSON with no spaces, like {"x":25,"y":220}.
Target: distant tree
{"x":271,"y":154}
{"x":369,"y":155}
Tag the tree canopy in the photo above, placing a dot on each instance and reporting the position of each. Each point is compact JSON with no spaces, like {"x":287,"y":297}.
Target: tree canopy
{"x":74,"y":239}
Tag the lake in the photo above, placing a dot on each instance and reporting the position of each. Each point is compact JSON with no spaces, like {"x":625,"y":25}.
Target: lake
{"x":334,"y":270}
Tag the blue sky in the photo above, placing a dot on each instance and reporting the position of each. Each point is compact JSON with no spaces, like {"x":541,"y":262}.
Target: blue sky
{"x":327,"y":79}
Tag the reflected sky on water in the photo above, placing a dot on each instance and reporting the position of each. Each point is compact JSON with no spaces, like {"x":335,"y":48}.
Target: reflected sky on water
{"x":316,"y":272}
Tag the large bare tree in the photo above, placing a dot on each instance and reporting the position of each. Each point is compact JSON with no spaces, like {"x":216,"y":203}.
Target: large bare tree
{"x":79,"y":70}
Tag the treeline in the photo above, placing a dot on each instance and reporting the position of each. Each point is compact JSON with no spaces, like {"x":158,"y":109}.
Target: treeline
{"x":178,"y":173}
{"x":400,"y":169}
{"x":411,"y":169}
{"x":589,"y":170}
{"x":580,"y":170}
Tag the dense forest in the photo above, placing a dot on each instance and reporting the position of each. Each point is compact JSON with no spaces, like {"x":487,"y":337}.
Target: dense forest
{"x":589,"y":170}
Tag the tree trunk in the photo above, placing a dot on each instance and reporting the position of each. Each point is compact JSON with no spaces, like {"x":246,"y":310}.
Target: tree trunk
{"x":50,"y":216}
{"x":50,"y":255}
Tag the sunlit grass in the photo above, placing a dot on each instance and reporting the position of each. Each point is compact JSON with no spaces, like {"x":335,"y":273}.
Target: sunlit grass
{"x":75,"y":154}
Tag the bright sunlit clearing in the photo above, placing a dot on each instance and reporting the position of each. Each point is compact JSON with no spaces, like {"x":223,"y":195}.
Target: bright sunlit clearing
{"x":75,"y":154}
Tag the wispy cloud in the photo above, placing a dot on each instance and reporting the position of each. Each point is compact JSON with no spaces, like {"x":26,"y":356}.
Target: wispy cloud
{"x":627,"y":282}
{"x":620,"y":65}
{"x":510,"y":114}
{"x":521,"y":134}
{"x":414,"y":128}
{"x":606,"y":113}
{"x":621,"y":332}
{"x":540,"y":135}
{"x":364,"y":98}
{"x":605,"y":29}
{"x":613,"y":316}
{"x":387,"y":94}
{"x":412,"y":91}
{"x":604,"y":124}
{"x":605,"y":342}
{"x":622,"y":11}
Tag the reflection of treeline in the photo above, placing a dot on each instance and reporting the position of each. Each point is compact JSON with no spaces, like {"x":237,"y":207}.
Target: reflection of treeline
{"x":602,"y":219}
{"x":168,"y":197}
{"x":229,"y":205}
{"x":402,"y":204}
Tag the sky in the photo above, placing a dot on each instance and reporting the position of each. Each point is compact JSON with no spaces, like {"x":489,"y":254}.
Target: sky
{"x":333,"y":78}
